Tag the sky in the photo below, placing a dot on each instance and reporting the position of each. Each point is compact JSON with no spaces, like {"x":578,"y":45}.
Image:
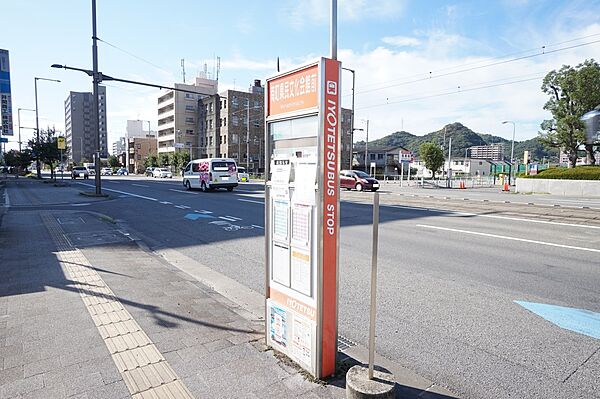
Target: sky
{"x":419,"y":64}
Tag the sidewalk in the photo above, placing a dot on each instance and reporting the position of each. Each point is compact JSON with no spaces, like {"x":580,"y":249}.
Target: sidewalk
{"x":86,"y":312}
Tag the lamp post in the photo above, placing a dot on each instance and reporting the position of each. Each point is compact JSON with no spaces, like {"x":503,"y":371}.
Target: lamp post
{"x":352,"y":120}
{"x":512,"y":153}
{"x":37,"y":124}
{"x":351,"y":147}
{"x":19,"y":121}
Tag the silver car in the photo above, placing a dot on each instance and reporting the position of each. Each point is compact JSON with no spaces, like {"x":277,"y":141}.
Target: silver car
{"x":162,"y":173}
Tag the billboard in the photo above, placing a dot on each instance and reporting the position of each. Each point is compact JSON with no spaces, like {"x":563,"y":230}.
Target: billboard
{"x":6,"y":119}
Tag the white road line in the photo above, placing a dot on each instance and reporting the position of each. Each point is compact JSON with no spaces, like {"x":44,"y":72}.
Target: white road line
{"x":233,"y":217}
{"x":112,"y":181}
{"x":82,"y":204}
{"x":509,"y":238}
{"x":254,"y":202}
{"x":182,"y":207}
{"x":166,"y":203}
{"x":228,"y":219}
{"x":6,"y":199}
{"x":123,"y":192}
{"x":251,"y":191}
{"x":258,"y":227}
{"x":182,"y":191}
{"x":139,"y":185}
{"x":203,"y":211}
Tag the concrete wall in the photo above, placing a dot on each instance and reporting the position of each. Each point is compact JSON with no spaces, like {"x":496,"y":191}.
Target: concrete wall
{"x":572,"y":188}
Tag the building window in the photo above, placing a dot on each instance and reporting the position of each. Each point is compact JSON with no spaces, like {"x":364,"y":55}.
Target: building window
{"x":379,"y":156}
{"x":210,"y":140}
{"x":189,"y":119}
{"x":139,"y":146}
{"x":210,"y":107}
{"x":256,"y":123}
{"x":235,"y":120}
{"x":224,"y":122}
{"x":372,"y":157}
{"x":190,"y":108}
{"x":189,"y":131}
{"x":210,"y":123}
{"x":224,"y":104}
{"x":234,"y":101}
{"x":224,"y":139}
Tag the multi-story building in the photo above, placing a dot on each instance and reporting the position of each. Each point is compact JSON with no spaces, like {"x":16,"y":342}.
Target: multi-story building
{"x":118,"y":147}
{"x":231,"y":124}
{"x":135,"y":129}
{"x":80,"y":130}
{"x":493,"y":151}
{"x":178,"y":115}
{"x":138,"y":149}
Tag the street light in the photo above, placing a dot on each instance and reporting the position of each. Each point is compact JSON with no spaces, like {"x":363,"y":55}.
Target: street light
{"x":19,"y":121}
{"x":352,"y":120}
{"x":512,"y":153}
{"x":37,"y":125}
{"x":367,"y":148}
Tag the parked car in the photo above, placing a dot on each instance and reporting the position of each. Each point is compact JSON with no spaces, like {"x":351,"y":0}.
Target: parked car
{"x":122,"y":172}
{"x":80,"y":171}
{"x":106,"y":172}
{"x":162,"y":173}
{"x":358,"y":180}
{"x":149,"y":171}
{"x":242,"y":174}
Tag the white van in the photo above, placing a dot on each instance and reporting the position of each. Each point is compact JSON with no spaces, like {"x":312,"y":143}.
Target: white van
{"x":210,"y":173}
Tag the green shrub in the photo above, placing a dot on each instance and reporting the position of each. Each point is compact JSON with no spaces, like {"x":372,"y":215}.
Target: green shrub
{"x":577,"y":173}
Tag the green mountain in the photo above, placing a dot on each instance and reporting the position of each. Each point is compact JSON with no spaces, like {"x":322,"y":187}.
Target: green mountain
{"x":462,"y":139}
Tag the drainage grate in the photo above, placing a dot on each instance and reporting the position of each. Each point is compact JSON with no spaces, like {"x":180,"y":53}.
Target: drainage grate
{"x":344,"y":343}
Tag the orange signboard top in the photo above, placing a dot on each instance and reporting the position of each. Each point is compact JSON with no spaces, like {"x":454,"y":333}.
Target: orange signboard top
{"x":294,"y":92}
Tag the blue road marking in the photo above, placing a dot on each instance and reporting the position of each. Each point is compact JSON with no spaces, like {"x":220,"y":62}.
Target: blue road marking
{"x":196,"y":216}
{"x":581,"y":321}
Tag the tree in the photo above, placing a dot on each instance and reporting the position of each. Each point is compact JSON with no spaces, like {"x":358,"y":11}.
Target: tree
{"x":47,"y":150}
{"x":151,"y":161}
{"x":113,"y":161}
{"x":573,"y":92}
{"x":432,"y":155}
{"x":163,"y":160}
{"x":20,"y":160}
{"x":180,"y":159}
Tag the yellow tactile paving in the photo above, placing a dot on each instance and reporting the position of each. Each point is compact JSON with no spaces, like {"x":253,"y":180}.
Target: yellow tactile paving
{"x":143,"y":368}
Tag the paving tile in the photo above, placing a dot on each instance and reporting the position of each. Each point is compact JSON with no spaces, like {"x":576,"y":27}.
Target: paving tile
{"x":21,"y":386}
{"x":12,"y":374}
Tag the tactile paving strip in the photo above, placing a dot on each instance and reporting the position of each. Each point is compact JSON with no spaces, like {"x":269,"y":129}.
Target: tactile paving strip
{"x":144,"y":369}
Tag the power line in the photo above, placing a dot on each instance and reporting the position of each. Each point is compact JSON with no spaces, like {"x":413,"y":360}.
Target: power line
{"x":431,"y":76}
{"x":134,"y":56}
{"x":455,"y":91}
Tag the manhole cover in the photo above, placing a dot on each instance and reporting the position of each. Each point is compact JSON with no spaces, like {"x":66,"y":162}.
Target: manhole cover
{"x":70,"y":220}
{"x":96,"y":238}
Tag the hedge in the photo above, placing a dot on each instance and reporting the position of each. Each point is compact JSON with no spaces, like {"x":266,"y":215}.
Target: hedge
{"x":577,"y":173}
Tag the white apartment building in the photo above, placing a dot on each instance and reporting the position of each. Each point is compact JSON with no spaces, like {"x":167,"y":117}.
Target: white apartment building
{"x":178,"y":123}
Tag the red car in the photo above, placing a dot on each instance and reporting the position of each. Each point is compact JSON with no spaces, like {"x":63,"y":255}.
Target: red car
{"x":358,"y":180}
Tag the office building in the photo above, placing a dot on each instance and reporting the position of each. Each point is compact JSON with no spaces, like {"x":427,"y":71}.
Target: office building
{"x":493,"y":151}
{"x":80,"y":130}
{"x":119,"y":146}
{"x":178,"y":115}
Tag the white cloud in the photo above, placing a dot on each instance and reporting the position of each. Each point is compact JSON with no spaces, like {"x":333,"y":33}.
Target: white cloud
{"x":401,"y":41}
{"x":407,"y":91}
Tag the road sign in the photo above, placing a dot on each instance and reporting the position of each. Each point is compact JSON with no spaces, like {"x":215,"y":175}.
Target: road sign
{"x":3,"y":139}
{"x":179,"y":145}
{"x":302,"y":208}
{"x":60,"y":142}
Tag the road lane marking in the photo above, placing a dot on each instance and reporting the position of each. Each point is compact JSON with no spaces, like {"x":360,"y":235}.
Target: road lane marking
{"x":139,"y":185}
{"x":82,"y":204}
{"x":426,"y":226}
{"x":228,"y":219}
{"x":203,"y":211}
{"x":252,"y":201}
{"x":233,"y":217}
{"x":196,"y":216}
{"x":251,"y":191}
{"x":6,"y":199}
{"x":166,"y":203}
{"x":583,"y":226}
{"x":123,"y":192}
{"x":182,"y":191}
{"x":182,"y":207}
{"x":258,"y":227}
{"x":581,"y":321}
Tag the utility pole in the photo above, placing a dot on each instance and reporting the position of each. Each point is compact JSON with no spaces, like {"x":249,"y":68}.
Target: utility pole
{"x":449,"y":161}
{"x":96,"y":81}
{"x":248,"y":135}
{"x":367,"y":149}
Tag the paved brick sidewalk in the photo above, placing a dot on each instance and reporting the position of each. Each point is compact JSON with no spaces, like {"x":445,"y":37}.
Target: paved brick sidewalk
{"x":86,"y":313}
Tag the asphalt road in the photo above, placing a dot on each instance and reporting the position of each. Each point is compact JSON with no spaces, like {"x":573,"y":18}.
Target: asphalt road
{"x":448,"y":281}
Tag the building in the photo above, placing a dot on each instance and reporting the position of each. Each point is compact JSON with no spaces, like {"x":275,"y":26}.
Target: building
{"x":80,"y":128}
{"x":118,"y":146}
{"x":138,"y":149}
{"x":6,"y":119}
{"x":178,"y":115}
{"x":135,"y":129}
{"x":471,"y":167}
{"x":389,"y":161}
{"x":493,"y":151}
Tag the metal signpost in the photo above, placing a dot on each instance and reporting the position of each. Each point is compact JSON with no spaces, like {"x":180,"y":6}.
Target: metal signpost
{"x":302,"y":214}
{"x":61,"y":144}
